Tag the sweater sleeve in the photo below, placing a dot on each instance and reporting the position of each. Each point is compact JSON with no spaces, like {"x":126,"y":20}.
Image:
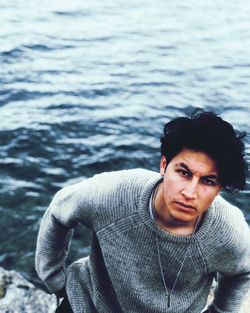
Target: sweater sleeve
{"x":56,"y":230}
{"x":79,"y":203}
{"x":233,"y":281}
{"x":230,"y":293}
{"x":95,"y":202}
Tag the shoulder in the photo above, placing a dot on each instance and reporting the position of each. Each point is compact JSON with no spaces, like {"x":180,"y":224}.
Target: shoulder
{"x":102,"y":192}
{"x":116,"y":195}
{"x":229,"y":232}
{"x":108,"y":182}
{"x":125,"y":180}
{"x":224,"y":223}
{"x":228,"y":216}
{"x":226,"y":246}
{"x":136,"y":175}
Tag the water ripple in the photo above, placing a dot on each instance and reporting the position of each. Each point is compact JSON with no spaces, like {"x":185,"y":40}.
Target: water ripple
{"x":88,"y":87}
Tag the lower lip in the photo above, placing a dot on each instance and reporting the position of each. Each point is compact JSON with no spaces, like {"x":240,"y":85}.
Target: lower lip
{"x":184,"y":208}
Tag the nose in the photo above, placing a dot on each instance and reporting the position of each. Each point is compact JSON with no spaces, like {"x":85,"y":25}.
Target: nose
{"x":190,"y":191}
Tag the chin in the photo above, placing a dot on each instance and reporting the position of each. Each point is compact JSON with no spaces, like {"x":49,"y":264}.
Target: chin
{"x":184,"y":218}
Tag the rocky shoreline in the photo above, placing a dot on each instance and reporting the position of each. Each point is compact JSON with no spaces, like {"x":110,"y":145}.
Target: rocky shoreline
{"x":17,"y":295}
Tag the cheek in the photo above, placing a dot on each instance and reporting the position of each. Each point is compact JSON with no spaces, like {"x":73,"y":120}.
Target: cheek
{"x":208,"y":197}
{"x":171,"y":188}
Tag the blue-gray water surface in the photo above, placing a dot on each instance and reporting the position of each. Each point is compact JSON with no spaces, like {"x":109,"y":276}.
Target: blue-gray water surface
{"x":86,"y":87}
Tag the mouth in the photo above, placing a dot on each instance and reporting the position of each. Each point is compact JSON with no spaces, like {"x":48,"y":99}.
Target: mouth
{"x":185,"y":206}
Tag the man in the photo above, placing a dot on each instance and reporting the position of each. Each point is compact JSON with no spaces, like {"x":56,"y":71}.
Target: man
{"x":158,"y":240}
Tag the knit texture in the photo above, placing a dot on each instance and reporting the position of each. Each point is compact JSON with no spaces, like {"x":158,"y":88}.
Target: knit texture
{"x":122,"y":273}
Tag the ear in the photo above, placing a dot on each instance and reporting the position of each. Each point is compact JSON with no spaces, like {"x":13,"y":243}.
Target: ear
{"x":163,"y":165}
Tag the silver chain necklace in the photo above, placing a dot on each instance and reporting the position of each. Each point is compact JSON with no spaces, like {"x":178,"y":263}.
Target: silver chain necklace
{"x":169,"y":293}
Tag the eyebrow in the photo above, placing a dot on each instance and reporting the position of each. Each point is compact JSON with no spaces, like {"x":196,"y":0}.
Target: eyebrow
{"x":181,"y":164}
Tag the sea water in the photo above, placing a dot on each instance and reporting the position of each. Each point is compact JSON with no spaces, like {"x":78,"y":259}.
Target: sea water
{"x":87,"y":86}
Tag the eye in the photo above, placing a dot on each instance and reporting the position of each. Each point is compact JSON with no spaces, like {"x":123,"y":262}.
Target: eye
{"x":184,"y":173}
{"x":209,"y":181}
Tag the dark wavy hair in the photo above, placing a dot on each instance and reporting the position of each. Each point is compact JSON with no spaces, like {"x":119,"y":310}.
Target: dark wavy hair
{"x":209,"y":133}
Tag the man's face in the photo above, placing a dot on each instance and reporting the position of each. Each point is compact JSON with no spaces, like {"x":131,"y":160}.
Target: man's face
{"x":190,"y":184}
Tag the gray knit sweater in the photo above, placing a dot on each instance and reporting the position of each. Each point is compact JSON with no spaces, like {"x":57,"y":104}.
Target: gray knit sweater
{"x":122,"y":273}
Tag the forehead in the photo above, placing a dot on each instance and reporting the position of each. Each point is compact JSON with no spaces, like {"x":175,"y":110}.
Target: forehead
{"x":196,"y":161}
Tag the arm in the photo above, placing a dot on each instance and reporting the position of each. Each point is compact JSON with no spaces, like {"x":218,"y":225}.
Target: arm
{"x":70,"y":206}
{"x":94,"y":202}
{"x":233,"y":281}
{"x":229,"y":293}
{"x":227,"y":252}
